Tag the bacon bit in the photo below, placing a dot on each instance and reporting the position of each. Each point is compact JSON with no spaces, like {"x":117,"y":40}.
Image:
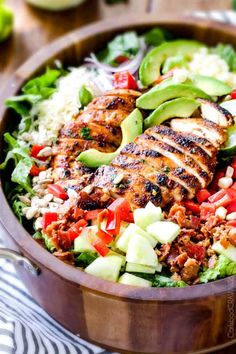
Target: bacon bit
{"x":178,"y":214}
{"x":64,"y":240}
{"x":77,"y":213}
{"x":190,"y":270}
{"x":232,"y":236}
{"x":181,"y":259}
{"x":195,"y":251}
{"x":66,"y":257}
{"x":194,"y":221}
{"x":164,"y":251}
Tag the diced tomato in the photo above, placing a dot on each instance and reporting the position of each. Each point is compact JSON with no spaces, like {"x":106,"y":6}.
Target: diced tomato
{"x":170,"y":73}
{"x":57,"y":191}
{"x":231,"y":208}
{"x":214,"y":184}
{"x":122,"y":206}
{"x":233,"y":164}
{"x":101,"y":247}
{"x":35,"y":170}
{"x":194,"y":207}
{"x":221,"y":198}
{"x":202,"y":195}
{"x":233,"y":187}
{"x":35,"y":151}
{"x":121,"y":59}
{"x":206,"y":210}
{"x":75,"y":230}
{"x":113,"y":222}
{"x":233,"y":94}
{"x":48,"y":218}
{"x":92,"y":214}
{"x":125,"y":80}
{"x":195,"y":251}
{"x":232,"y":223}
{"x":104,"y":236}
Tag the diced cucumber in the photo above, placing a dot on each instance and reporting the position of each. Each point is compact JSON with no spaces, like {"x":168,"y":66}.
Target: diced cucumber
{"x":130,"y":279}
{"x":229,"y":252}
{"x":146,"y":216}
{"x":81,"y":244}
{"x":83,"y":241}
{"x":107,"y":268}
{"x":113,"y":253}
{"x":141,"y":252}
{"x":131,"y":231}
{"x":139,"y":268}
{"x":164,"y":231}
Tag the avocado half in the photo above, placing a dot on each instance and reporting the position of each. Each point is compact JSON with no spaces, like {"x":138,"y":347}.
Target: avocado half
{"x":150,"y":67}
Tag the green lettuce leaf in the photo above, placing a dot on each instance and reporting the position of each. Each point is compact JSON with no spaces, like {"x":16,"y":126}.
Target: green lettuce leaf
{"x":162,"y":281}
{"x":85,"y":258}
{"x":126,"y":44}
{"x":156,"y":36}
{"x":17,"y":207}
{"x":226,"y":52}
{"x":224,"y":267}
{"x":20,"y":174}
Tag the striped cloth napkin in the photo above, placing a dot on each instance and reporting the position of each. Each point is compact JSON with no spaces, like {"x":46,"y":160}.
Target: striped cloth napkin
{"x":25,"y":328}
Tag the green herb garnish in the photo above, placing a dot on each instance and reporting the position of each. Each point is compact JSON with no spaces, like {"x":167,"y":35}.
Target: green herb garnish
{"x":85,"y":133}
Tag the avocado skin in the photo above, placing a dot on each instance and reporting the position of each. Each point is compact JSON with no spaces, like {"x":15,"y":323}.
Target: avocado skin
{"x":131,"y":127}
{"x":157,"y":95}
{"x":149,"y":70}
{"x":180,"y":107}
{"x":211,"y":86}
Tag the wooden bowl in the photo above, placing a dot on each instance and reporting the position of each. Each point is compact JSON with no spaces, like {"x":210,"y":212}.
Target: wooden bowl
{"x":122,"y":318}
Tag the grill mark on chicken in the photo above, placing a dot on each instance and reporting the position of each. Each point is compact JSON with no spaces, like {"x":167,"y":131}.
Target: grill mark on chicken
{"x":179,"y":158}
{"x":202,"y":128}
{"x":133,"y":164}
{"x":135,"y":188}
{"x":186,"y":146}
{"x":163,"y":164}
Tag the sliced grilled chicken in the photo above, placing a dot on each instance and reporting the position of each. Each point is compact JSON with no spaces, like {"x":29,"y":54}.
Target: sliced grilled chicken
{"x":202,"y":128}
{"x":186,"y":146}
{"x":215,"y":113}
{"x":98,"y":127}
{"x":163,"y":165}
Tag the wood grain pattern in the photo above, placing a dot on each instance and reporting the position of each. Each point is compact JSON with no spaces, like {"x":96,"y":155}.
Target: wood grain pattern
{"x":195,"y":319}
{"x":34,"y":28}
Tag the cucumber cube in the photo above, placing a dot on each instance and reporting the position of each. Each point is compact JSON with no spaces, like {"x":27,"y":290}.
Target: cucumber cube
{"x":131,"y":231}
{"x":81,"y":244}
{"x":113,"y":253}
{"x":141,"y":252}
{"x":107,"y":268}
{"x":229,"y":252}
{"x":130,"y":279}
{"x":139,"y":268}
{"x":164,"y":231}
{"x":144,"y":217}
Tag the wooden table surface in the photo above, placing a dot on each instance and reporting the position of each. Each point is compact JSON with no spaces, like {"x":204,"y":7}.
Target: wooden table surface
{"x":34,"y":28}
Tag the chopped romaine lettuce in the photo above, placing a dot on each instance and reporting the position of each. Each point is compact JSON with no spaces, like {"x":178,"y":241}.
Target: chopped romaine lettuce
{"x":226,"y":52}
{"x":224,"y":267}
{"x":20,"y":175}
{"x":124,"y":45}
{"x":85,"y":258}
{"x":161,"y":281}
{"x":48,"y":243}
{"x":156,"y":36}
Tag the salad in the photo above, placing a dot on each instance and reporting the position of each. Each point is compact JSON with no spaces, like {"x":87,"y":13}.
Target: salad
{"x":125,"y":166}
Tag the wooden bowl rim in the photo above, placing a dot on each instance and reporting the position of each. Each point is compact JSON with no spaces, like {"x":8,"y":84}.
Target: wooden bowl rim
{"x":22,"y":238}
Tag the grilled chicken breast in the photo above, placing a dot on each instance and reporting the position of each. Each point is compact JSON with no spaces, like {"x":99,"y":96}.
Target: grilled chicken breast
{"x":164,"y":164}
{"x":98,"y":127}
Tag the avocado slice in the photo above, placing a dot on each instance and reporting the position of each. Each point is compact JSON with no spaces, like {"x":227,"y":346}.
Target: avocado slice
{"x":157,"y":95}
{"x":131,"y":127}
{"x":211,"y":86}
{"x":150,"y":67}
{"x":180,"y":107}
